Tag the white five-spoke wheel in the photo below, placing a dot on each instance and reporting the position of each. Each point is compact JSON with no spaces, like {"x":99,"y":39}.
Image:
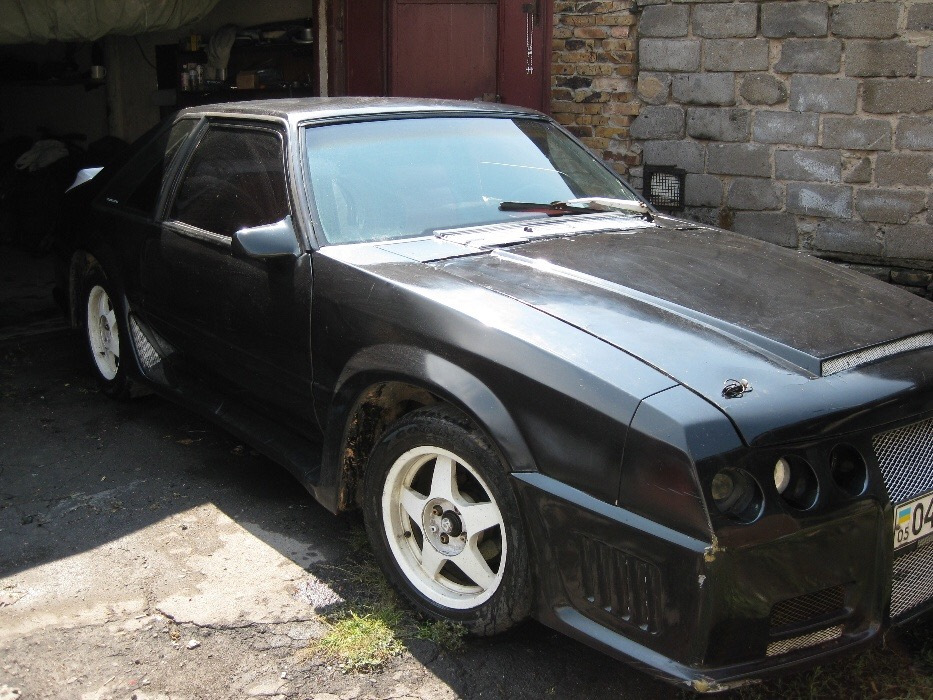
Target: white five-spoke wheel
{"x":105,"y":335}
{"x":444,"y":527}
{"x":444,"y":521}
{"x":103,"y":332}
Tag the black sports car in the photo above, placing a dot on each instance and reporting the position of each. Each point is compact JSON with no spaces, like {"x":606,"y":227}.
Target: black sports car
{"x":693,"y":450}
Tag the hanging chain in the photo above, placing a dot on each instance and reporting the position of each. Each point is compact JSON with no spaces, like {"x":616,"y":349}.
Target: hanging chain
{"x":529,"y":43}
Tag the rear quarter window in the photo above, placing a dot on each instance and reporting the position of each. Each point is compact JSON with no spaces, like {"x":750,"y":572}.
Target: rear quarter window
{"x":139,"y":182}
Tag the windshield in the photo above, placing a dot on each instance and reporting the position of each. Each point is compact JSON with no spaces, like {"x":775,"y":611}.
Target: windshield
{"x":382,"y":180}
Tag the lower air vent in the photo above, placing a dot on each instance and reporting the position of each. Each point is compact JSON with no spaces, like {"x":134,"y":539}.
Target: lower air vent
{"x":912,"y":582}
{"x":625,"y":587}
{"x":804,"y":641}
{"x":809,"y":607}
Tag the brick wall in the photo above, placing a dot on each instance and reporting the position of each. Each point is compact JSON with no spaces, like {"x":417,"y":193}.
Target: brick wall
{"x":593,"y":75}
{"x":809,"y":124}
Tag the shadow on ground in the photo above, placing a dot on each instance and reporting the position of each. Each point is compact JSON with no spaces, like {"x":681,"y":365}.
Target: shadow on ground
{"x":81,"y":474}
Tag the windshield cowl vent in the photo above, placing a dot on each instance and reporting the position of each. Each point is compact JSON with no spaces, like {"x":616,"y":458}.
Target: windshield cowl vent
{"x":512,"y":232}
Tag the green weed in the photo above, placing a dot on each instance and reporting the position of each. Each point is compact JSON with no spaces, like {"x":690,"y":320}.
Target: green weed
{"x":371,"y":628}
{"x":362,"y":642}
{"x":446,"y":635}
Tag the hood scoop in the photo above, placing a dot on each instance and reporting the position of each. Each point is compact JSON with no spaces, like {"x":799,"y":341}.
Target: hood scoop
{"x":512,"y":233}
{"x":666,"y":296}
{"x":780,"y":350}
{"x":857,"y":358}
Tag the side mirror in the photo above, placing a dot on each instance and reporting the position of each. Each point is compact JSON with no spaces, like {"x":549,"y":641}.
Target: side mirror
{"x":267,"y":241}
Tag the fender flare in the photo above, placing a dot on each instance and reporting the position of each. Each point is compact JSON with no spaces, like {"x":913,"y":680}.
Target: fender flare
{"x":435,"y":374}
{"x":92,"y":251}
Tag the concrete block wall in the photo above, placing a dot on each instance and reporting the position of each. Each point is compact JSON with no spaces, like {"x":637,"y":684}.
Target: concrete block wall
{"x":805,"y":123}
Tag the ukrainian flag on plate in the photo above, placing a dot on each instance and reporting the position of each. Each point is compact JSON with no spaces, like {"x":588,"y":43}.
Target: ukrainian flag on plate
{"x":913,"y":520}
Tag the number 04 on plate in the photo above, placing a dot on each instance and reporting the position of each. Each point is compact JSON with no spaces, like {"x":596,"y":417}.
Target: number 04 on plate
{"x":913,"y":520}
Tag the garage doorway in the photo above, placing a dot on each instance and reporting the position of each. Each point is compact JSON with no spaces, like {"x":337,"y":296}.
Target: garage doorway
{"x":493,"y":50}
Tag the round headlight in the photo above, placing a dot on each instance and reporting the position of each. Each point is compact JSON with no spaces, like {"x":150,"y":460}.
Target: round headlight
{"x":796,"y":481}
{"x":722,"y":486}
{"x":736,"y":494}
{"x":849,"y":469}
{"x":781,"y":475}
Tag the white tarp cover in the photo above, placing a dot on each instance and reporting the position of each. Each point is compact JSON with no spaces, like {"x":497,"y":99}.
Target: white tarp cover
{"x":23,"y":21}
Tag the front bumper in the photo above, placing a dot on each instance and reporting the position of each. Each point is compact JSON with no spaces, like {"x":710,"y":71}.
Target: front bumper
{"x":696,"y":614}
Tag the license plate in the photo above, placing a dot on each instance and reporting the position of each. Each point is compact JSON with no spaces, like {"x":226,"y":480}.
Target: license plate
{"x":913,"y":520}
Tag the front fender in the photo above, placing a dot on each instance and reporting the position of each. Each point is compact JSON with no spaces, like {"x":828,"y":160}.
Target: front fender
{"x":421,"y":368}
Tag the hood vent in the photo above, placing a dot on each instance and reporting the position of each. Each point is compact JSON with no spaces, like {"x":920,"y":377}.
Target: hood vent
{"x":862,"y":357}
{"x":511,"y":233}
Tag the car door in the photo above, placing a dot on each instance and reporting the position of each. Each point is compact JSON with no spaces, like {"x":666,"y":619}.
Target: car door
{"x":239,"y":322}
{"x":126,"y":210}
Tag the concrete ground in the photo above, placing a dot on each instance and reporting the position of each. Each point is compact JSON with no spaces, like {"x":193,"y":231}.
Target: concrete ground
{"x":26,"y":306}
{"x":146,"y":554}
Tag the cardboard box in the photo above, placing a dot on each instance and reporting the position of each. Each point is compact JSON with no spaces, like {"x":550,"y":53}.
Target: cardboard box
{"x":247,"y":80}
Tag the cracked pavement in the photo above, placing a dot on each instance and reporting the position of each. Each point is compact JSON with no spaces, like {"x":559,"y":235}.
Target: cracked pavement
{"x":146,"y":554}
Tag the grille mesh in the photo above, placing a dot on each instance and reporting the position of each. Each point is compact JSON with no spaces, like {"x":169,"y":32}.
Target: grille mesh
{"x":905,"y":456}
{"x":804,"y":641}
{"x":807,"y":607}
{"x":861,"y":357}
{"x":913,"y":580}
{"x":147,"y":354}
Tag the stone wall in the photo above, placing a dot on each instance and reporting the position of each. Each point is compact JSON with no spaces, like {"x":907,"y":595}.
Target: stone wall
{"x":809,"y":124}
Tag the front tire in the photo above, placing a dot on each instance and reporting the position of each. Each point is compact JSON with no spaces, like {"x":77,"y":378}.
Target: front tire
{"x":445,"y":524}
{"x":106,"y":336}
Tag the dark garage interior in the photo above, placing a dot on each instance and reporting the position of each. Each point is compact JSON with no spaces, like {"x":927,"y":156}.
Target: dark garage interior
{"x":77,"y":85}
{"x":75,"y":90}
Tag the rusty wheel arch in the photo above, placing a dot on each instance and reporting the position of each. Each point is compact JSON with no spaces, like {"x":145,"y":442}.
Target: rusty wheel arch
{"x":377,"y":408}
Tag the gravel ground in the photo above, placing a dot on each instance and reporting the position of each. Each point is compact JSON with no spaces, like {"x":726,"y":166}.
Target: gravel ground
{"x":146,"y":554}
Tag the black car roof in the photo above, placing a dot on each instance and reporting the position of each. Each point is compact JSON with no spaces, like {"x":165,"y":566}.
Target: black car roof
{"x":296,"y":110}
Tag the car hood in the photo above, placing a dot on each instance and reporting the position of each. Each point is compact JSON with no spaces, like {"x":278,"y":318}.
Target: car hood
{"x":704,"y":306}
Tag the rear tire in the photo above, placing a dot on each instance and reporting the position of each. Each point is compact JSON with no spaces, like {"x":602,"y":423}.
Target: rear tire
{"x":445,"y":524}
{"x":106,"y":336}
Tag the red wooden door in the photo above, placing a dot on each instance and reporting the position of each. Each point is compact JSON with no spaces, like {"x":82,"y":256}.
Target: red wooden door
{"x":458,"y":49}
{"x":523,"y":56}
{"x":365,"y":36}
{"x":443,"y":48}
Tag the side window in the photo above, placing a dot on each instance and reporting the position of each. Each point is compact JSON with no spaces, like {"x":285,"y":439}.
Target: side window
{"x":146,"y":194}
{"x":235,"y":179}
{"x":139,"y":182}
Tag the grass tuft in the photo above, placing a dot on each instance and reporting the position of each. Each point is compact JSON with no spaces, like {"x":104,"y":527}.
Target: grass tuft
{"x":446,"y":635}
{"x":362,"y":642}
{"x":371,"y":628}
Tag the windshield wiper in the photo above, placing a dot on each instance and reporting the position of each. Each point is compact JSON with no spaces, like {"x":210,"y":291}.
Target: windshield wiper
{"x":581,"y":205}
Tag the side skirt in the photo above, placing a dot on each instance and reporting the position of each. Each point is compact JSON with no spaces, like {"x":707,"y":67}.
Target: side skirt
{"x":153,"y":356}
